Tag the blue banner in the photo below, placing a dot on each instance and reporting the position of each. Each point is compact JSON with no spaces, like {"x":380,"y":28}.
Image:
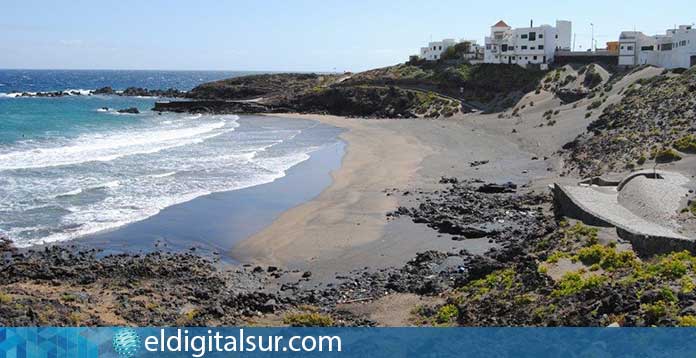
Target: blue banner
{"x":347,"y":342}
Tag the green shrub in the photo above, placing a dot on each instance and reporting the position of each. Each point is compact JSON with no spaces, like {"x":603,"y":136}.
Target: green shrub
{"x":594,"y":105}
{"x":641,"y":160}
{"x":5,"y":299}
{"x":666,"y":156}
{"x":556,"y":256}
{"x":673,"y":266}
{"x":687,"y":284}
{"x":446,"y":314}
{"x":687,"y":321}
{"x":592,"y":79}
{"x":655,"y":311}
{"x":607,"y":257}
{"x":572,"y":283}
{"x":580,"y":231}
{"x":686,"y":144}
{"x":312,"y":319}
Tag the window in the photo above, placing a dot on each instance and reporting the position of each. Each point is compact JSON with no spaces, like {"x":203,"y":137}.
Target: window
{"x":541,"y":47}
{"x":535,"y":58}
{"x":556,"y":35}
{"x":532,"y":48}
{"x":532,"y":36}
{"x":541,"y":36}
{"x":647,"y":48}
{"x":524,"y":47}
{"x":440,"y":47}
{"x":630,"y":48}
{"x":524,"y":36}
{"x":504,"y":48}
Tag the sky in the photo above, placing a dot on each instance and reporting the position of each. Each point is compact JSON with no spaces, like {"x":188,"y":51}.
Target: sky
{"x":287,"y":35}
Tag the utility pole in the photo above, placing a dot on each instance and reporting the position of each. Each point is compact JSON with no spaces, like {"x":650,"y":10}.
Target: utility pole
{"x":575,"y":36}
{"x":592,"y":46}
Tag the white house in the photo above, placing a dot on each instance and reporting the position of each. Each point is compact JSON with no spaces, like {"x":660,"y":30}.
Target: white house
{"x":527,"y":45}
{"x":630,"y":45}
{"x":676,"y":48}
{"x":435,"y":50}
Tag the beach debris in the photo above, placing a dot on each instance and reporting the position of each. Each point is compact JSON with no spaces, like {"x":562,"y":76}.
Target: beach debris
{"x":478,"y":163}
{"x":492,"y":188}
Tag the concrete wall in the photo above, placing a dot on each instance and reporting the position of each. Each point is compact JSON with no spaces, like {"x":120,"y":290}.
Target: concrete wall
{"x":647,"y":245}
{"x":644,"y":245}
{"x":563,"y":205}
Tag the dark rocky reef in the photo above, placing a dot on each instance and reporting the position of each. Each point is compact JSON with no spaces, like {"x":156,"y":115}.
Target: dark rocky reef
{"x":130,"y":110}
{"x":217,"y":107}
{"x":141,"y":92}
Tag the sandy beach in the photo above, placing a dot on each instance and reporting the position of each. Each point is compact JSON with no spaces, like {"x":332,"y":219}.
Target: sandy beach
{"x":346,"y":226}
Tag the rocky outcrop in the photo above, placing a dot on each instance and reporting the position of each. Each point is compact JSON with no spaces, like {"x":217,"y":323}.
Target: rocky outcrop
{"x":140,"y":92}
{"x":375,"y":102}
{"x":130,"y":110}
{"x":473,"y":210}
{"x":216,"y":107}
{"x":273,"y":88}
{"x":487,"y":86}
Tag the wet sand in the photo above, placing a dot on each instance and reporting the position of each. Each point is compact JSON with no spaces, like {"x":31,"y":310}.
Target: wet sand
{"x":213,"y":223}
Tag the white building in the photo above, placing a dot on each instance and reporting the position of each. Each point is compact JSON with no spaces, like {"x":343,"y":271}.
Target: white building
{"x":676,"y":48}
{"x":435,"y":50}
{"x":527,"y":45}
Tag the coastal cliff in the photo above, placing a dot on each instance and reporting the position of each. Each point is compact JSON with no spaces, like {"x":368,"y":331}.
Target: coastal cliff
{"x":417,"y":90}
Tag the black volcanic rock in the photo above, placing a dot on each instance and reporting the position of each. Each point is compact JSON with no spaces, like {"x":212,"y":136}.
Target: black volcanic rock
{"x":104,"y":91}
{"x":131,"y":110}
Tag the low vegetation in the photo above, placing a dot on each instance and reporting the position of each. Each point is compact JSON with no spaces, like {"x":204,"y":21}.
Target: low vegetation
{"x":654,"y":116}
{"x":578,"y":281}
{"x":308,"y":319}
{"x":491,"y":86}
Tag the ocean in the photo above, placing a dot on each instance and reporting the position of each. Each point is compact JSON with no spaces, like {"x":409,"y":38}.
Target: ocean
{"x":73,"y":166}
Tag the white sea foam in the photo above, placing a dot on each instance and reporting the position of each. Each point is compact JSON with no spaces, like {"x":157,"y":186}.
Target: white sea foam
{"x":136,"y":187}
{"x":163,"y":175}
{"x":12,"y":95}
{"x":79,"y":91}
{"x":70,"y":193}
{"x":90,"y":148}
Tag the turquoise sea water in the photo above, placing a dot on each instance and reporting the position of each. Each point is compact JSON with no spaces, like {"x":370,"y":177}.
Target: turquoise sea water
{"x":72,"y":166}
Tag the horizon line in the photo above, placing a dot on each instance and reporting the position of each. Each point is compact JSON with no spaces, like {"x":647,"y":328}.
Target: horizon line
{"x":167,"y":70}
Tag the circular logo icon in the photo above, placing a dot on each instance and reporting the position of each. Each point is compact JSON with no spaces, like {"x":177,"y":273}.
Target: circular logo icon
{"x":126,"y":342}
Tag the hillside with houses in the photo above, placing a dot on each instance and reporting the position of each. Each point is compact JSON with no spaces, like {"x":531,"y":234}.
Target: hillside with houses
{"x":545,"y":45}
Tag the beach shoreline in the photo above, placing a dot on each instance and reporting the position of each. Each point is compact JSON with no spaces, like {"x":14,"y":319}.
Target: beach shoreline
{"x":211,"y":224}
{"x":346,"y":227}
